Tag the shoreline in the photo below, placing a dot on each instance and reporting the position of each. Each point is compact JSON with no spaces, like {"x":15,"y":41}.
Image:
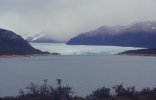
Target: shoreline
{"x":140,"y":52}
{"x":34,"y":55}
{"x":147,"y":55}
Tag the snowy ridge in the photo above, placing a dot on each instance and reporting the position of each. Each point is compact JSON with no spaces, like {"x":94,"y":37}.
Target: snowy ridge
{"x":37,"y":37}
{"x":43,"y":38}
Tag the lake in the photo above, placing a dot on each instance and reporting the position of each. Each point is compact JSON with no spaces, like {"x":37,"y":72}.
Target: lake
{"x":83,"y":71}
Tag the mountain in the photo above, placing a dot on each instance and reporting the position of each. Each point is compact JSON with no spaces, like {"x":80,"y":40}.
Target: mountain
{"x":142,"y":34}
{"x":43,"y":38}
{"x":13,"y":44}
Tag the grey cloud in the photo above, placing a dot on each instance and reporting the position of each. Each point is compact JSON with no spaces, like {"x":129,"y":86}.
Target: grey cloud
{"x":66,"y":18}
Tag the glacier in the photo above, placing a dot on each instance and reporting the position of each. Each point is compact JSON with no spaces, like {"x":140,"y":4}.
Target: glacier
{"x":64,"y":49}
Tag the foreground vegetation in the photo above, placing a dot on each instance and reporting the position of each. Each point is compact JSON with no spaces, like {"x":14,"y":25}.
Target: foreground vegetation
{"x":62,"y":92}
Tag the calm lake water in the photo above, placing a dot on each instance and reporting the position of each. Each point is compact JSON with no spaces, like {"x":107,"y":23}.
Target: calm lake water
{"x":82,"y":72}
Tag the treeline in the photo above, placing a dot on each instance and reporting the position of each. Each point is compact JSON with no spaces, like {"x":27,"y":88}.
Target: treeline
{"x":64,"y":92}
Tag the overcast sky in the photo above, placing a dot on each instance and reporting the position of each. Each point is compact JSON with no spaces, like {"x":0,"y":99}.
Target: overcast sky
{"x":66,"y":18}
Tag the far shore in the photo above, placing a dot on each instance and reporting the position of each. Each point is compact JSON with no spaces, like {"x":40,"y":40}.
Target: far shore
{"x":51,"y":54}
{"x":140,"y":52}
{"x":152,"y":55}
{"x":14,"y":56}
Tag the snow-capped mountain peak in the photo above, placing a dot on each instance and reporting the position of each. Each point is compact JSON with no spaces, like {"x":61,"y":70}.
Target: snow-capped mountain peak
{"x":37,"y":37}
{"x":43,"y":38}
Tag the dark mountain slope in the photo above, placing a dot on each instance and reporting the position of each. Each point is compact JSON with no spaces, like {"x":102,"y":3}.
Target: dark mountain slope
{"x":141,"y":34}
{"x":148,"y":52}
{"x":13,"y":44}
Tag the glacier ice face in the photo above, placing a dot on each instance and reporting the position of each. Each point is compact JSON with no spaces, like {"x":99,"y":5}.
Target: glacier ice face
{"x":80,"y":49}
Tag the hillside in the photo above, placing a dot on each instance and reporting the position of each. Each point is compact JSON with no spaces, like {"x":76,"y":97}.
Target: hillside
{"x":144,"y":52}
{"x":13,"y":44}
{"x":142,"y":34}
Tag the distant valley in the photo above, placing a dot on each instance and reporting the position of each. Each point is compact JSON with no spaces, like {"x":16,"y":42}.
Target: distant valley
{"x":43,"y":38}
